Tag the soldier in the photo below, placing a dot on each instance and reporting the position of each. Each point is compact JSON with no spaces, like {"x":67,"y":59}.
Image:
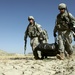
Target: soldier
{"x":33,"y":31}
{"x":64,"y":32}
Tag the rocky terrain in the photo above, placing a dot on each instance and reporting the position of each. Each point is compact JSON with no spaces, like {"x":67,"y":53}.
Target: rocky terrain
{"x":18,"y":64}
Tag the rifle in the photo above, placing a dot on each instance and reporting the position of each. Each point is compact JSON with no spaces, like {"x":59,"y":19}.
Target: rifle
{"x":25,"y":39}
{"x":25,"y":46}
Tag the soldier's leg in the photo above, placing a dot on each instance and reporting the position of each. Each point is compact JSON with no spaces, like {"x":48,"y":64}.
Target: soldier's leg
{"x":68,"y":43}
{"x":61,"y":48}
{"x":34,"y":45}
{"x":69,"y":48}
{"x":60,"y":43}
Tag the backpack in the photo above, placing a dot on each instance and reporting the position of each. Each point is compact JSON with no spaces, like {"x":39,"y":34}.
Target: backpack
{"x":43,"y":36}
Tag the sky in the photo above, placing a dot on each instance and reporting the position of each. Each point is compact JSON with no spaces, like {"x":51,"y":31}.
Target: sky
{"x":14,"y":20}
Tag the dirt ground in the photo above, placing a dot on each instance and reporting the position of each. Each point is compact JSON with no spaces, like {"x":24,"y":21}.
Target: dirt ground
{"x":27,"y":65}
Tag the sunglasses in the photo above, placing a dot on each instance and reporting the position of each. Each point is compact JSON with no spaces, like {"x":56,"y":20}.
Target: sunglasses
{"x":29,"y":19}
{"x":62,"y":9}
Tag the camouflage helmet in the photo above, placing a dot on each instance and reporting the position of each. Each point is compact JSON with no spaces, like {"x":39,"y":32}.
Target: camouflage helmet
{"x":30,"y":17}
{"x":62,"y":6}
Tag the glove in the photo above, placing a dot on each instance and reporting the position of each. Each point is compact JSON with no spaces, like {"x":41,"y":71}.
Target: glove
{"x":55,"y":34}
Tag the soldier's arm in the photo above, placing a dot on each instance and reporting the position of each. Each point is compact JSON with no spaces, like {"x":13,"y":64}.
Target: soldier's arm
{"x":39,"y":29}
{"x":73,"y":35}
{"x":72,"y":19}
{"x":55,"y":28}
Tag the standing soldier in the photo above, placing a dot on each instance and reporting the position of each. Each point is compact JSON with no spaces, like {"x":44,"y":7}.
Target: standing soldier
{"x":63,"y":22}
{"x":33,"y":31}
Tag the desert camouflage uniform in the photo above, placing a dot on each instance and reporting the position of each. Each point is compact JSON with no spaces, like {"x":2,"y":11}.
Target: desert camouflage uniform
{"x":33,"y":31}
{"x":64,"y":34}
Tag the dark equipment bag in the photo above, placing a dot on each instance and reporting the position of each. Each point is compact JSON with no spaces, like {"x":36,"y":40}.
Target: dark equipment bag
{"x":47,"y":49}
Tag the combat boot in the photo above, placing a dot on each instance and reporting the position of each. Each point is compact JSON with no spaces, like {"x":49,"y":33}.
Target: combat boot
{"x":60,"y":56}
{"x":70,"y":54}
{"x":36,"y":58}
